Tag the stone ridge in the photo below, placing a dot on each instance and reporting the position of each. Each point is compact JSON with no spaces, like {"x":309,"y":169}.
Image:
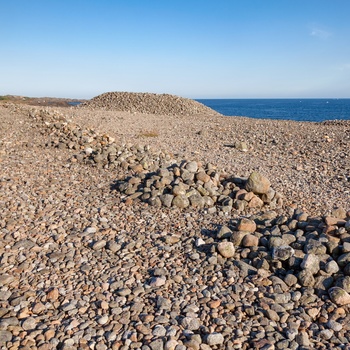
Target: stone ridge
{"x":158,"y":179}
{"x":161,"y":104}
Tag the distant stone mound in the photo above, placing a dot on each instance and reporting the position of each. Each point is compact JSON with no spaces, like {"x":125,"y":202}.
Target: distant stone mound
{"x":162,"y":104}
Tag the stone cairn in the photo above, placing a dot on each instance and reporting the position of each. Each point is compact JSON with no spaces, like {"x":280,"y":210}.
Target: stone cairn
{"x":162,"y":104}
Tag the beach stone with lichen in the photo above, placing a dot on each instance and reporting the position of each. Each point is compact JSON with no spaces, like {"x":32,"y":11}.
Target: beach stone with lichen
{"x":226,"y":249}
{"x":339,"y":296}
{"x":257,"y":183}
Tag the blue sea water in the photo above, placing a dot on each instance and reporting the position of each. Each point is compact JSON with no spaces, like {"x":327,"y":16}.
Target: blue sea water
{"x":313,"y":110}
{"x":74,"y":103}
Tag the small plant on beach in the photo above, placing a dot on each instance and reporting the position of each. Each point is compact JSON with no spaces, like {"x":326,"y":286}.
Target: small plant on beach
{"x":148,"y":133}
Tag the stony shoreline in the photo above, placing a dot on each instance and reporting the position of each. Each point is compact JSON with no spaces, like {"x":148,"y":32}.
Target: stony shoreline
{"x":83,"y":267}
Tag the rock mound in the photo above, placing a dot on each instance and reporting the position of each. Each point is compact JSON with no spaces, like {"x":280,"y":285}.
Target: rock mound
{"x":191,"y":184}
{"x":163,"y":104}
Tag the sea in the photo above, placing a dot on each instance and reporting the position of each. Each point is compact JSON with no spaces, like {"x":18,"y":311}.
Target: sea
{"x":310,"y":110}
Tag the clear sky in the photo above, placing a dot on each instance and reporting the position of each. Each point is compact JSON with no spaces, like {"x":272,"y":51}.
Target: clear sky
{"x":195,"y":49}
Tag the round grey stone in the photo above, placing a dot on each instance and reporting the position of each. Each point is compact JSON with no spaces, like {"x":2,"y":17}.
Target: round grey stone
{"x":215,"y":339}
{"x":192,"y":167}
{"x":190,"y":323}
{"x":29,"y":324}
{"x":99,"y":244}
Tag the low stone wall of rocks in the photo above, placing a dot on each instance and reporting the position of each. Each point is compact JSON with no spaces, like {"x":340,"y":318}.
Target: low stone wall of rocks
{"x":157,"y":178}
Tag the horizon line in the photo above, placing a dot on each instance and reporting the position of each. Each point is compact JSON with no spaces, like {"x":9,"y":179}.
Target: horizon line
{"x":195,"y":98}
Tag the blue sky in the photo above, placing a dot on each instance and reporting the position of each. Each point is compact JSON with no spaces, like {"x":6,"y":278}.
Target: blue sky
{"x":195,"y":49}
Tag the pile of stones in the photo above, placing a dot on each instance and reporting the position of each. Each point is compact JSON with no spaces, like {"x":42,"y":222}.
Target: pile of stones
{"x":158,"y":179}
{"x":298,"y":269}
{"x":161,"y":104}
{"x":311,"y":252}
{"x":188,"y":184}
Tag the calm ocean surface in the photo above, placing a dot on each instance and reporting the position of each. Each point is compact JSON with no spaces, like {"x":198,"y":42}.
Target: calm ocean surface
{"x":314,"y":110}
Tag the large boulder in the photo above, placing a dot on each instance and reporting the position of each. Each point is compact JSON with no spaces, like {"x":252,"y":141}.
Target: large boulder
{"x":257,"y":183}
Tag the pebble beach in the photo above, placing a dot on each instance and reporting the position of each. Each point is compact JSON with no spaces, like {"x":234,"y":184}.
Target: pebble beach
{"x":138,"y":221}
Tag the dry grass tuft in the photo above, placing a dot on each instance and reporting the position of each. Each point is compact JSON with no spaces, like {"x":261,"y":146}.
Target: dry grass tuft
{"x":148,"y":133}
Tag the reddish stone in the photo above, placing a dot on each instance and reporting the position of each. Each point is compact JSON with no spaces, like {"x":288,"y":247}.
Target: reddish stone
{"x":52,"y":295}
{"x":246,"y":225}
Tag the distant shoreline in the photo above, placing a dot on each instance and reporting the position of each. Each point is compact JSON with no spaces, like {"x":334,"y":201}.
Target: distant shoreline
{"x":297,"y":109}
{"x":41,"y":101}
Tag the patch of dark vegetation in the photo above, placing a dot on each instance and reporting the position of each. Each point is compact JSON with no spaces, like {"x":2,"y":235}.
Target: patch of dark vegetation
{"x":41,"y":101}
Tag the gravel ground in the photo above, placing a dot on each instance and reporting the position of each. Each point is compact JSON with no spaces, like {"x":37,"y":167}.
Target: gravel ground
{"x":81,"y":268}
